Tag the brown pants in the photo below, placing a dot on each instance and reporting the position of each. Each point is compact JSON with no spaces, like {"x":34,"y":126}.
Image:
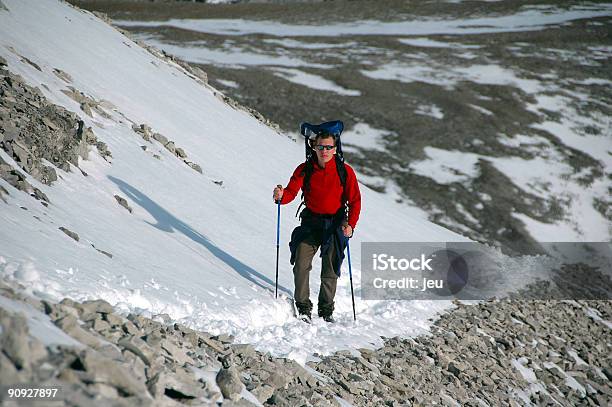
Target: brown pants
{"x":301,"y":272}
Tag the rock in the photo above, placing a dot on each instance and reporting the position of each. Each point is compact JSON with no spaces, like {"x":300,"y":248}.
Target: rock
{"x":70,"y":233}
{"x":70,"y":325}
{"x":130,"y":328}
{"x":107,"y":254}
{"x":96,"y":306}
{"x":179,"y":385}
{"x":105,"y":371}
{"x":3,"y":193}
{"x":162,"y":140}
{"x":62,"y":75}
{"x":244,"y":350}
{"x":100,"y":325}
{"x":138,"y":347}
{"x":215,"y":345}
{"x":176,"y":353}
{"x":456,"y":367}
{"x":123,"y":202}
{"x":171,"y":147}
{"x":8,"y":372}
{"x":228,"y":380}
{"x":57,"y":311}
{"x":113,"y":319}
{"x":38,"y":194}
{"x":136,"y":365}
{"x":194,"y":166}
{"x":103,"y":150}
{"x":263,"y":392}
{"x":180,"y":153}
{"x":22,"y":349}
{"x":86,"y":108}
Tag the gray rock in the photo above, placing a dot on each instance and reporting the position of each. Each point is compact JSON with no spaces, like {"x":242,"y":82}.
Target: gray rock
{"x":456,"y":367}
{"x":103,"y":150}
{"x":179,"y":385}
{"x":23,"y":350}
{"x":113,"y":319}
{"x":62,"y":75}
{"x":244,"y":350}
{"x":228,"y":380}
{"x":162,"y":139}
{"x":176,"y":353}
{"x":3,"y":193}
{"x":99,"y":325}
{"x":57,"y":311}
{"x":180,"y":153}
{"x":105,"y":371}
{"x":130,"y":328}
{"x":194,"y":166}
{"x":70,"y":325}
{"x":136,"y":365}
{"x":107,"y":254}
{"x":263,"y":392}
{"x":123,"y":202}
{"x":70,"y":233}
{"x":8,"y":372}
{"x":139,"y":347}
{"x":171,"y":147}
{"x":95,"y":306}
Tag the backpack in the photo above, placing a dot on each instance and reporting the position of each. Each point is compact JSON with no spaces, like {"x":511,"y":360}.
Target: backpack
{"x":310,"y":131}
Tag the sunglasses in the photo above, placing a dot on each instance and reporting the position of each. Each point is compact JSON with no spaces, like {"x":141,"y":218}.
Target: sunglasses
{"x":322,"y":147}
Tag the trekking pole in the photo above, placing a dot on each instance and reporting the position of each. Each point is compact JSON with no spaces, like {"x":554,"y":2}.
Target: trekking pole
{"x":348,"y":252}
{"x":278,"y":203}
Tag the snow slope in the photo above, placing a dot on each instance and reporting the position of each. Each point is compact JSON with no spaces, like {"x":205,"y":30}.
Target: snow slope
{"x":201,"y":252}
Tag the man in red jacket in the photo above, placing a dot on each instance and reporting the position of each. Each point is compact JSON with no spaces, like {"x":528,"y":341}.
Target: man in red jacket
{"x":325,"y":222}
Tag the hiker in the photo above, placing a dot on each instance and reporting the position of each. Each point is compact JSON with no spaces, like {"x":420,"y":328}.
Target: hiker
{"x":329,"y":188}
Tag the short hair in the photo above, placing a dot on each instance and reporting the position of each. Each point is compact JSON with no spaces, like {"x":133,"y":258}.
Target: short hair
{"x":321,"y":136}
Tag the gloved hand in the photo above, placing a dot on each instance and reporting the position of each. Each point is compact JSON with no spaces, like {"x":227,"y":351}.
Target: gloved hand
{"x":278,"y":193}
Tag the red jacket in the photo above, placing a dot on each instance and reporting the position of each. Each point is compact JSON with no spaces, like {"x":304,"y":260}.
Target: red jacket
{"x":325,"y":195}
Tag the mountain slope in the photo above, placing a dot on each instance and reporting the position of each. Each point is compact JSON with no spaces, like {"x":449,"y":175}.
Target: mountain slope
{"x":196,"y":248}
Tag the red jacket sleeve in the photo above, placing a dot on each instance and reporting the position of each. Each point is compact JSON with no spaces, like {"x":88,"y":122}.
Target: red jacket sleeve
{"x":352,"y":196}
{"x":294,"y":185}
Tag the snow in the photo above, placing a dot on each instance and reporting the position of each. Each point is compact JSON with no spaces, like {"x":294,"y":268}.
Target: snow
{"x":528,"y":19}
{"x":449,"y":77}
{"x":446,"y":167}
{"x":430,"y":110}
{"x":291,"y":43}
{"x":546,"y":176}
{"x":569,"y":380}
{"x":200,"y":252}
{"x":233,"y":57}
{"x":549,"y":92}
{"x":313,"y":81}
{"x":597,"y":146}
{"x":482,"y":110}
{"x":429,"y":43}
{"x":228,"y":83}
{"x":578,"y":359}
{"x":364,"y":136}
{"x":596,"y":316}
{"x":412,"y":73}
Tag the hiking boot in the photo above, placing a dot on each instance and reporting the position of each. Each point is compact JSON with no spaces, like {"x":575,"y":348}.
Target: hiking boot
{"x":329,"y":318}
{"x":305,"y":317}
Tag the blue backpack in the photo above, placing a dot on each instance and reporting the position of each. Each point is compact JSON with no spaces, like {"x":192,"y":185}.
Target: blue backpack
{"x":310,"y":131}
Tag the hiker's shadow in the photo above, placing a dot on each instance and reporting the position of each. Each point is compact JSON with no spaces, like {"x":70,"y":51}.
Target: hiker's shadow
{"x":168,"y":223}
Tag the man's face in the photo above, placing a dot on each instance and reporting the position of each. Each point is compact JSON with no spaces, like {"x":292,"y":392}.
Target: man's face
{"x":323,"y":150}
